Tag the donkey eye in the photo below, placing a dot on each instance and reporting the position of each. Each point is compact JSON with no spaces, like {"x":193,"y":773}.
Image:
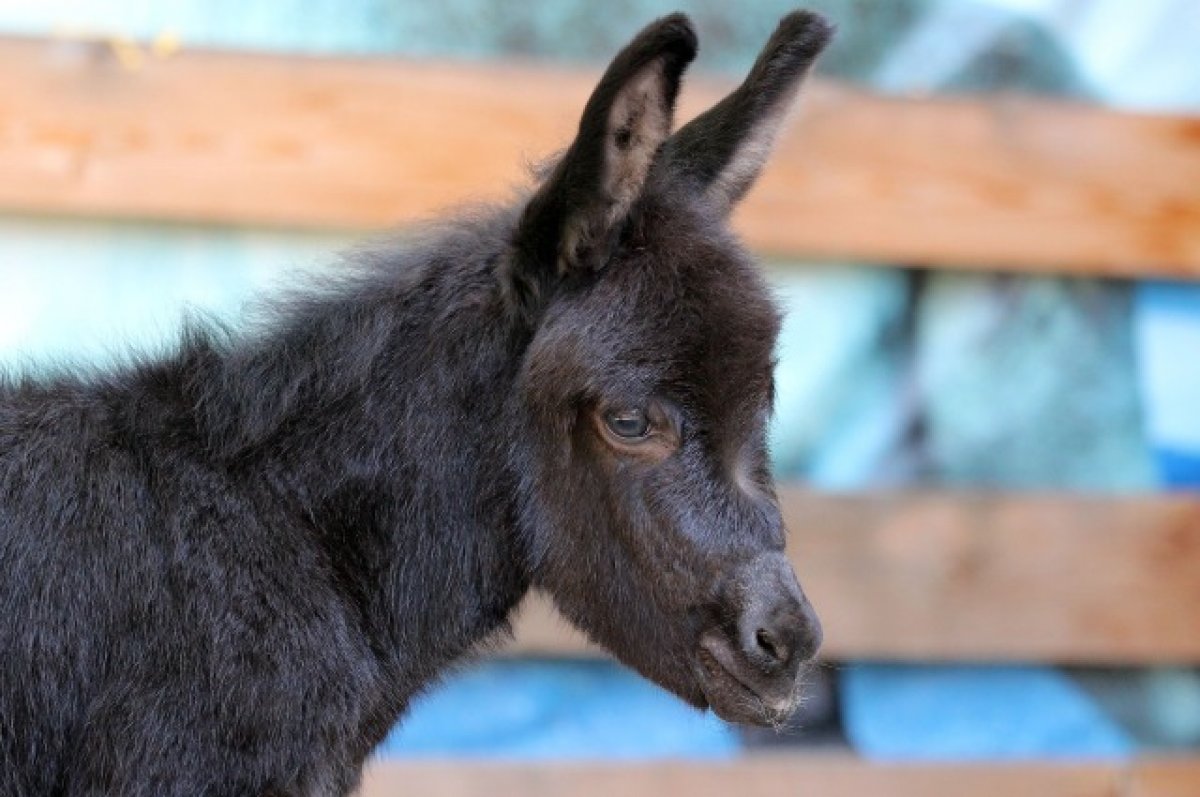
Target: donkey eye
{"x":629,"y":424}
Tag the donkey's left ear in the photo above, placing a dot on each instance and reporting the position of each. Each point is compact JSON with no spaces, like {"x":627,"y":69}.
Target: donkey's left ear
{"x":721,"y":152}
{"x":574,"y":219}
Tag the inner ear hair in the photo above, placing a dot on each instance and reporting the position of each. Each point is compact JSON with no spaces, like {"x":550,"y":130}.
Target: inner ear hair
{"x":576,"y":216}
{"x":638,"y":124}
{"x":639,"y":121}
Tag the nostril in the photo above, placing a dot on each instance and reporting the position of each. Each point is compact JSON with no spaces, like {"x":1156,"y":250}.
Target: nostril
{"x":769,"y":644}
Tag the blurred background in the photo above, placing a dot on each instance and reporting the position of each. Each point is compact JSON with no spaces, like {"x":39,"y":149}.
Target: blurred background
{"x":988,"y":416}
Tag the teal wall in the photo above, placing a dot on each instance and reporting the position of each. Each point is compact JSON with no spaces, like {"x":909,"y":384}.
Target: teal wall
{"x":76,"y":292}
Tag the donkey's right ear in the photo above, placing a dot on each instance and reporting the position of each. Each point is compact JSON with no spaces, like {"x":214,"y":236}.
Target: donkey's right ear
{"x":574,"y":219}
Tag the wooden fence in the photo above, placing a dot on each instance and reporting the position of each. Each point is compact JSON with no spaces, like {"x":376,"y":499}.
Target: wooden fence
{"x":1006,"y":183}
{"x":798,"y":775}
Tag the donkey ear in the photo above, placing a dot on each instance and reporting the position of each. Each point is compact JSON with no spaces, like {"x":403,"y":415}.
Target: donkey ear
{"x":575,"y":217}
{"x":723,"y":150}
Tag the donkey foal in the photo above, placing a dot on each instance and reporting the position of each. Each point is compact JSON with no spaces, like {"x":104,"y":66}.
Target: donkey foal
{"x":228,"y":571}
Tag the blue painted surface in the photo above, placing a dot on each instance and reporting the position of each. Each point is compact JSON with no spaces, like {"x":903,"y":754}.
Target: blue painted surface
{"x":1180,"y":470}
{"x":956,"y":713}
{"x":1167,"y":327}
{"x":557,"y":710}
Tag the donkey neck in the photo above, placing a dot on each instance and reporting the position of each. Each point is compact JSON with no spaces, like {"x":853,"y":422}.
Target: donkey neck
{"x":377,"y":417}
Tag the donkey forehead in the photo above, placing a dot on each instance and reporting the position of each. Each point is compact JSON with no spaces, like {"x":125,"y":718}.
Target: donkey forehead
{"x":678,"y":309}
{"x":702,"y":293}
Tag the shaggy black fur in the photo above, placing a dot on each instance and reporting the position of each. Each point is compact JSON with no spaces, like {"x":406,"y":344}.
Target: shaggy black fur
{"x":227,"y":572}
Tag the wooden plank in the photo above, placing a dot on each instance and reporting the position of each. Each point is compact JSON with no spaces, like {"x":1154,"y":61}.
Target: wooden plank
{"x":1072,"y":579}
{"x":1006,"y":183}
{"x":754,"y":777}
{"x":1165,"y":778}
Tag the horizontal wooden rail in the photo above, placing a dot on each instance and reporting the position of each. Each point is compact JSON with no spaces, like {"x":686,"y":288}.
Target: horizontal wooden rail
{"x":1072,"y":579}
{"x":1001,"y":183}
{"x":784,"y":776}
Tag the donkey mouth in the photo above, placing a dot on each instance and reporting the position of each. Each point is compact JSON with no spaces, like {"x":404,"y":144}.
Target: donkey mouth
{"x":737,"y":692}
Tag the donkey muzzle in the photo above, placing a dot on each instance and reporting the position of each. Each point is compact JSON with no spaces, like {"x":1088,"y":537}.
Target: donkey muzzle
{"x":750,"y":670}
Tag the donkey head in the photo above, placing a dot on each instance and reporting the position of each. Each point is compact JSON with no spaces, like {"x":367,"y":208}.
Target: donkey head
{"x":645,"y":391}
